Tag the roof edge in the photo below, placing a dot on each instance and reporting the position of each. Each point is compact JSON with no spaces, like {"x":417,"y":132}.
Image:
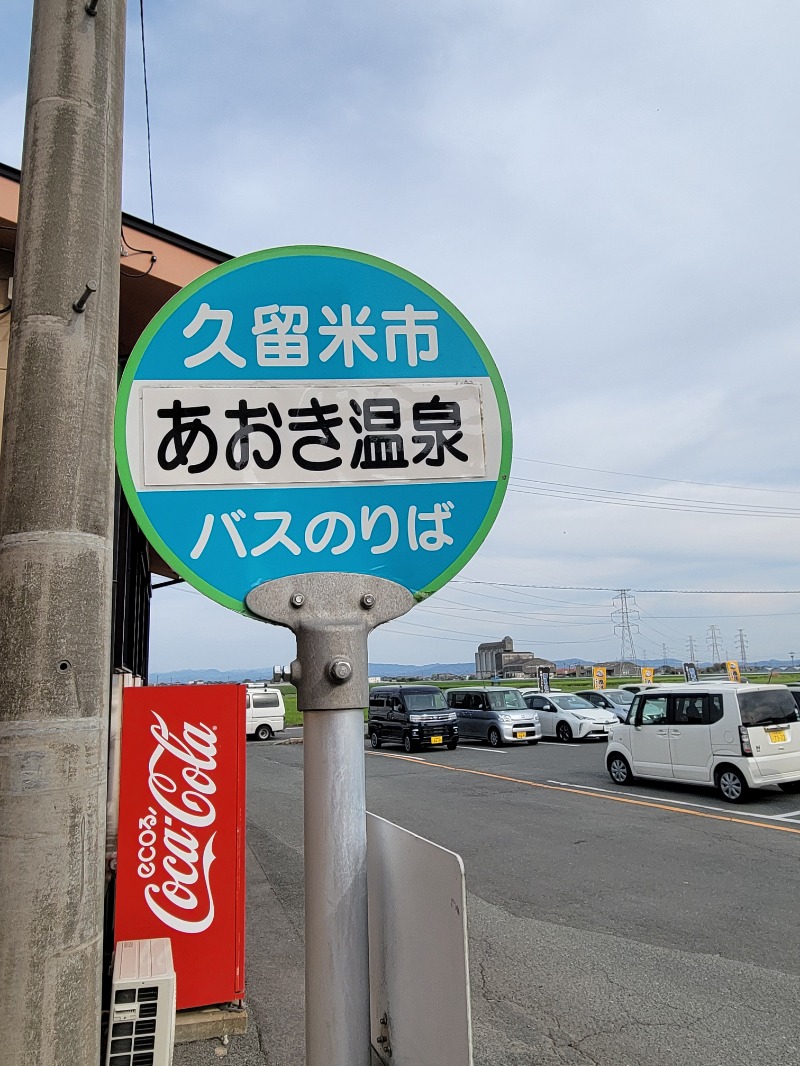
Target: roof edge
{"x":148,"y":228}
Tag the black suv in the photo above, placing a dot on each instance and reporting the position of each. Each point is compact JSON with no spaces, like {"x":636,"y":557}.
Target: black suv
{"x":411,"y":715}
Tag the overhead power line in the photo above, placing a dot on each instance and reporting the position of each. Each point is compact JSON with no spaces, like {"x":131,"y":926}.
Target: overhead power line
{"x":591,"y":494}
{"x":147,"y":115}
{"x":611,"y":588}
{"x":655,"y":477}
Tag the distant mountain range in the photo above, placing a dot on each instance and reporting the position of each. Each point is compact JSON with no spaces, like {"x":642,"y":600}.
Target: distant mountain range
{"x":263,"y":673}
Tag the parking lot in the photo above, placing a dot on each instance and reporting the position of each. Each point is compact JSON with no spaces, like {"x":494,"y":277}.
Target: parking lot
{"x":646,"y":925}
{"x":579,"y":768}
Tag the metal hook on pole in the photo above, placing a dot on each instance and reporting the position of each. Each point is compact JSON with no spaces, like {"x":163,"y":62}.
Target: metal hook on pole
{"x":80,"y":304}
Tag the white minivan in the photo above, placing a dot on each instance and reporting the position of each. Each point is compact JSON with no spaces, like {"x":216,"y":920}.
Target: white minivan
{"x":266,"y":712}
{"x":731,"y":736}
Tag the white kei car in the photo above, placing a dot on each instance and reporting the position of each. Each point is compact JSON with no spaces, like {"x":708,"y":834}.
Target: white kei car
{"x":569,"y":717}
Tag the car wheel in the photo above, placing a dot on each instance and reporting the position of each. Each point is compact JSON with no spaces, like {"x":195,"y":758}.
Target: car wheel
{"x":374,"y":739}
{"x":534,"y":741}
{"x":620,"y":770}
{"x":731,"y":784}
{"x":263,"y":732}
{"x":452,"y":744}
{"x":494,"y":738}
{"x":408,"y":743}
{"x":790,"y":786}
{"x":563,"y":732}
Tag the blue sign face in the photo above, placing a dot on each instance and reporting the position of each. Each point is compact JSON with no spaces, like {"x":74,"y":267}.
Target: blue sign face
{"x":312,"y":409}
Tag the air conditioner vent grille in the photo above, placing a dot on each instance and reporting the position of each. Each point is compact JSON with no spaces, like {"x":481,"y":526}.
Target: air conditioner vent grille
{"x":142,"y":1021}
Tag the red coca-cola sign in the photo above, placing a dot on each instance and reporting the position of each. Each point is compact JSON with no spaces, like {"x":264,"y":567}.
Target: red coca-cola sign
{"x":180,"y":863}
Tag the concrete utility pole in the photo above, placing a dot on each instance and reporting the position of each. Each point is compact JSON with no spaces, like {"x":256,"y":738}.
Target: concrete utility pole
{"x":56,"y":521}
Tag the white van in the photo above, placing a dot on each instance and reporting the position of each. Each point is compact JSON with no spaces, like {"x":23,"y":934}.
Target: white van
{"x":731,"y":736}
{"x":266,"y":713}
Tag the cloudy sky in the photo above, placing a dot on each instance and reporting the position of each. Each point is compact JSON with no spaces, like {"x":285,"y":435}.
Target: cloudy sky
{"x":608,"y":191}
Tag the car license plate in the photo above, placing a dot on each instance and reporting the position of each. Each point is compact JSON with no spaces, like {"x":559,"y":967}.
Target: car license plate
{"x":777,"y":736}
{"x":436,"y":740}
{"x":520,"y":736}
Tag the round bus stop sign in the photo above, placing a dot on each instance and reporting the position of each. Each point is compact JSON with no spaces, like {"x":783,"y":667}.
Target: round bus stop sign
{"x":309,"y":409}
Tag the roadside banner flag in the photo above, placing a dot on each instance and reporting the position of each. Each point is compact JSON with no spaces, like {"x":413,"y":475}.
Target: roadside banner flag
{"x":599,"y":675}
{"x":733,"y":670}
{"x":648,"y":672}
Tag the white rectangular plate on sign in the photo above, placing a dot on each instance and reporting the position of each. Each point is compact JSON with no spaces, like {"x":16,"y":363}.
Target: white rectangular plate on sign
{"x":405,"y":417}
{"x":418,"y":960}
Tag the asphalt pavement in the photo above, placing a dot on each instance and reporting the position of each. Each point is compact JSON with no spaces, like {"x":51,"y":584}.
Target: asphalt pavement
{"x":647,"y":926}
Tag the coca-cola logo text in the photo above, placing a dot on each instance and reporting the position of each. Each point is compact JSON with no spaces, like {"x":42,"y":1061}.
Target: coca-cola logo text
{"x":175,"y":835}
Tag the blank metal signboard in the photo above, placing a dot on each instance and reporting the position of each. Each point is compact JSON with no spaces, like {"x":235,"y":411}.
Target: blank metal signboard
{"x":312,"y":409}
{"x":419,"y":972}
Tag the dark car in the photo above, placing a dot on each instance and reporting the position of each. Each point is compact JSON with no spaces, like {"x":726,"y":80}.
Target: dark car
{"x":411,"y":715}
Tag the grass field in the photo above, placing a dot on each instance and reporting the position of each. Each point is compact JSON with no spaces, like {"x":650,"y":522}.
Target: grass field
{"x":565,"y":684}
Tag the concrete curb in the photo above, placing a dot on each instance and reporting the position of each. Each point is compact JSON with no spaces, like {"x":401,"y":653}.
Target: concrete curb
{"x":209,"y":1022}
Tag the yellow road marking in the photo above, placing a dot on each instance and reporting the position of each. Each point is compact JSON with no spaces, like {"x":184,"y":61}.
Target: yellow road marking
{"x":591,"y":795}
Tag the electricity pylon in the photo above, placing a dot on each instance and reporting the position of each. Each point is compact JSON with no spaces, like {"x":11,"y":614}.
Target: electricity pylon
{"x":713,"y":641}
{"x":625,"y":610}
{"x":741,"y":640}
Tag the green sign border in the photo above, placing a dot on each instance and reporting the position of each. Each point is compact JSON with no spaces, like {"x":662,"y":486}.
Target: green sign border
{"x":126,"y":382}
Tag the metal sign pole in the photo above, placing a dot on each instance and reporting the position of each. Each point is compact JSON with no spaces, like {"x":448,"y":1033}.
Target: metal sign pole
{"x":332,"y":615}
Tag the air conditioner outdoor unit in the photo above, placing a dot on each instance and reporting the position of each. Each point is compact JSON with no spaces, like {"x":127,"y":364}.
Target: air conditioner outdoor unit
{"x":141,"y":1028}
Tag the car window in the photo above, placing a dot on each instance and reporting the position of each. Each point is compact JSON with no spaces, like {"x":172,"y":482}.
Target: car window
{"x":689,"y":710}
{"x":502,"y":698}
{"x":265,"y":699}
{"x":767,"y":708}
{"x":623,"y":699}
{"x":652,"y":711}
{"x":537,"y":703}
{"x":424,"y":701}
{"x":570,"y":702}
